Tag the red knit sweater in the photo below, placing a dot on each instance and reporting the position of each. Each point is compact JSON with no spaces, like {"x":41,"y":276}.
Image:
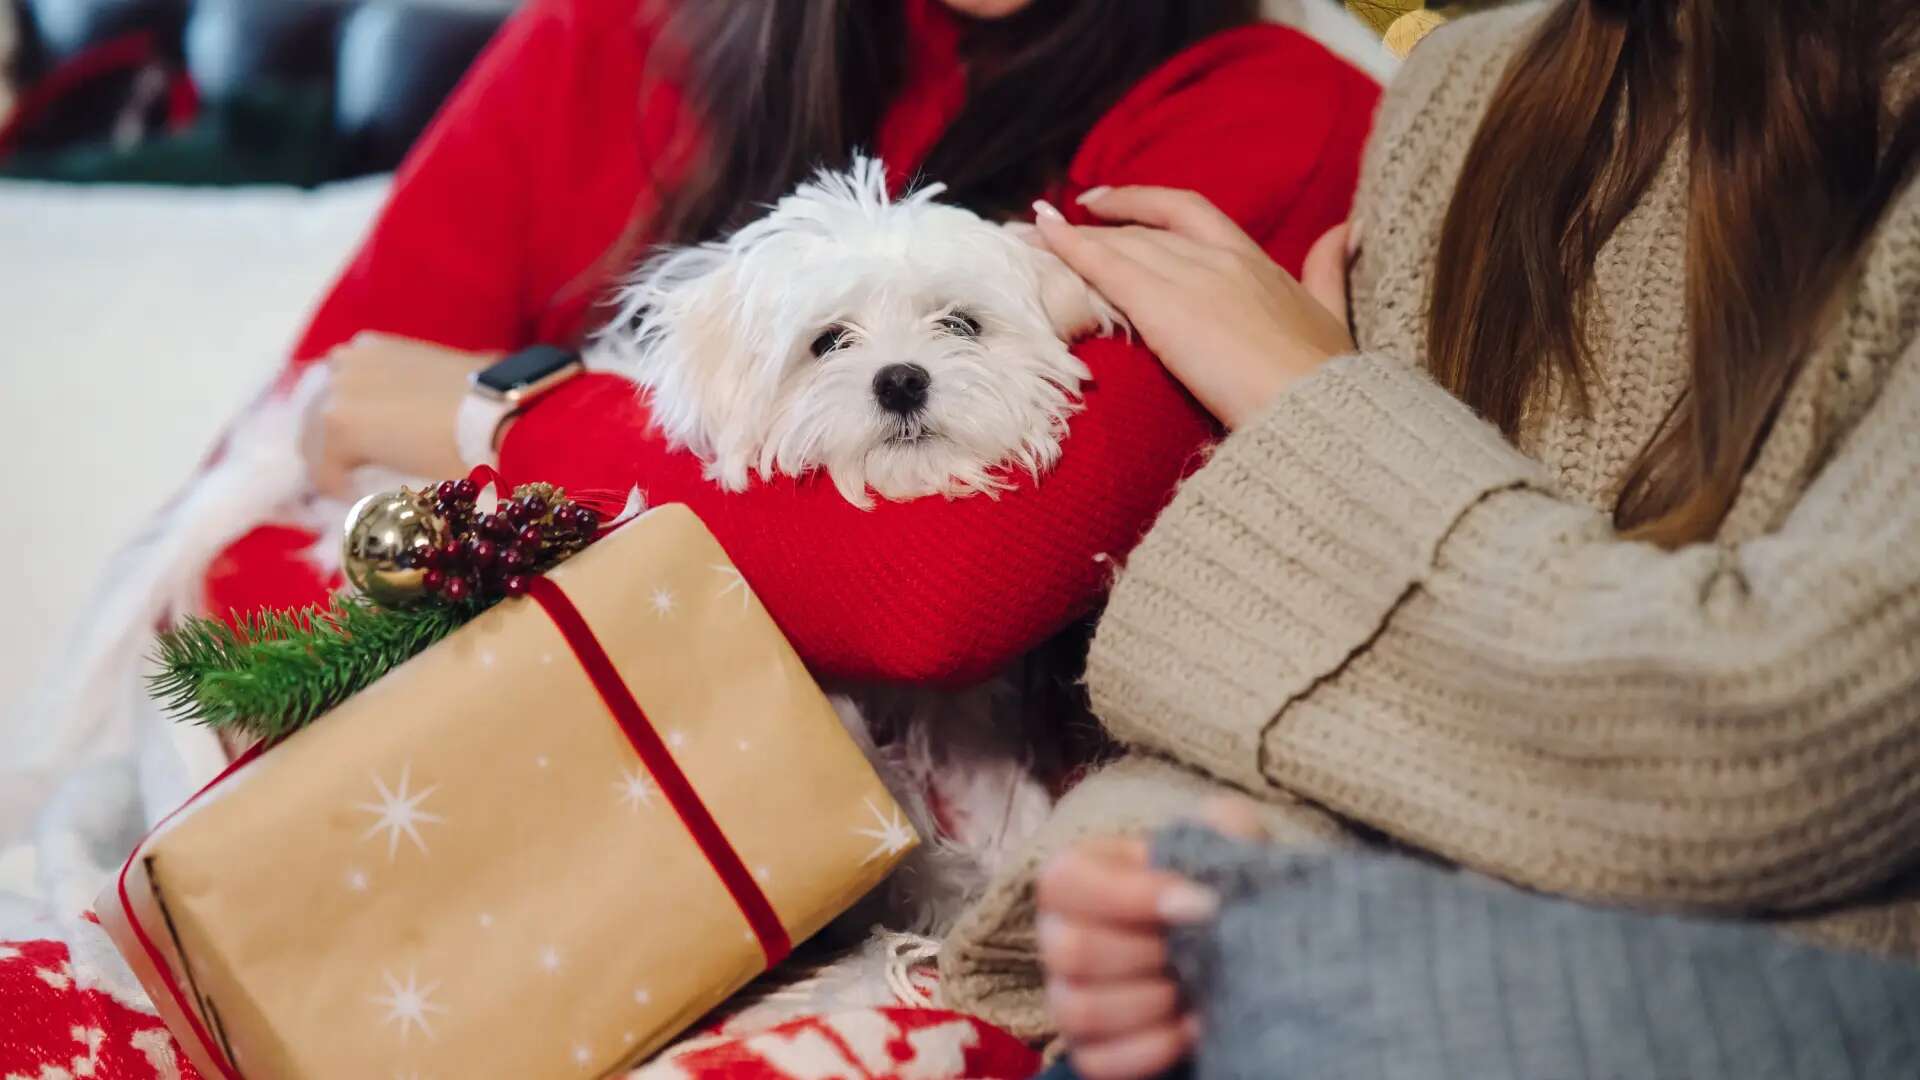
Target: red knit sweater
{"x":499,"y":220}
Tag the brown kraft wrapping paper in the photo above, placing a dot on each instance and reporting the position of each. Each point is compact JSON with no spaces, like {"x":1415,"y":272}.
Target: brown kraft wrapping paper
{"x":466,"y":870}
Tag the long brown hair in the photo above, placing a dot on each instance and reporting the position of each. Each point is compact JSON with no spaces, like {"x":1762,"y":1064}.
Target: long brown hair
{"x":1794,"y":159}
{"x":784,"y":87}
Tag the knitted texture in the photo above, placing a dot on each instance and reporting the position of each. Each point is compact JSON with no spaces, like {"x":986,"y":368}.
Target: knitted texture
{"x":1372,"y":611}
{"x":1343,"y":967}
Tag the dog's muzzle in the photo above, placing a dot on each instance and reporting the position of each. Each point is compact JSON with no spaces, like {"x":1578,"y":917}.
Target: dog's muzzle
{"x":901,"y":389}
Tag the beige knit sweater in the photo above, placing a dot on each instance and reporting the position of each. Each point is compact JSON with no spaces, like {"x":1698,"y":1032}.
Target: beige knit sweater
{"x":1381,"y":618}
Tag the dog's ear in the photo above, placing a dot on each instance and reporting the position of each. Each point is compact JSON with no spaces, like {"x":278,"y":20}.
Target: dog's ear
{"x":679,"y":334}
{"x":1074,"y":308}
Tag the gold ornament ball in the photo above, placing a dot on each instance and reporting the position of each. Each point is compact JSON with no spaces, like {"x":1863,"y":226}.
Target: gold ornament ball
{"x":386,"y":534}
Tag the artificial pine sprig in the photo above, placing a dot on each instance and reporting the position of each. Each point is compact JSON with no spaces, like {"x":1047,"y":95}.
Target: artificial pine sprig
{"x":279,"y":670}
{"x":276,"y":671}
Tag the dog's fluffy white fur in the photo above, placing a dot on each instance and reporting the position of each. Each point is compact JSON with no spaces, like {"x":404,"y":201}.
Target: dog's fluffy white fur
{"x":768,"y":352}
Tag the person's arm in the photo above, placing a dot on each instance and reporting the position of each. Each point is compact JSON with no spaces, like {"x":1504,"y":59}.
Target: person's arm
{"x":448,"y":261}
{"x":1371,"y":600}
{"x":485,"y":224}
{"x":1265,"y":122}
{"x":444,"y":259}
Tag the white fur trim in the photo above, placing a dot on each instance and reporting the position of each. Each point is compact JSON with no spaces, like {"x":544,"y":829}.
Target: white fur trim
{"x":1331,"y":24}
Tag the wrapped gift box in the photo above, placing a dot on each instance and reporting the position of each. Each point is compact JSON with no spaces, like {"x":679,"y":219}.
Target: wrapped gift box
{"x":490,"y":864}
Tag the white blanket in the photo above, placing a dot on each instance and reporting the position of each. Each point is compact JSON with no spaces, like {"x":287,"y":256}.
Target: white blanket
{"x":134,"y":324}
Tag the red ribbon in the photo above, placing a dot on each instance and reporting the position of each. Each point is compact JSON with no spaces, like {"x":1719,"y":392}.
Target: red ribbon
{"x":673,"y":783}
{"x":154,"y":955}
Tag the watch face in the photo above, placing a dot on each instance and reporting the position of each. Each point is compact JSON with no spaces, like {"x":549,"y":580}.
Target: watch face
{"x":525,"y":368}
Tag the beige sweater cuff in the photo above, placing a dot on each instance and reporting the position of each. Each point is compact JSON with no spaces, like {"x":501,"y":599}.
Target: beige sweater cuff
{"x":990,"y":966}
{"x":1285,"y":555}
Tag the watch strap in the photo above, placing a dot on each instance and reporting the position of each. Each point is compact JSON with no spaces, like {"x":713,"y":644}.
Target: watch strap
{"x":477,"y":425}
{"x":503,"y":389}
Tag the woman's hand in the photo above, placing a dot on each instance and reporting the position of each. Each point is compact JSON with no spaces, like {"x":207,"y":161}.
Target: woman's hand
{"x":1104,"y":913}
{"x":390,"y":402}
{"x":1231,"y":325}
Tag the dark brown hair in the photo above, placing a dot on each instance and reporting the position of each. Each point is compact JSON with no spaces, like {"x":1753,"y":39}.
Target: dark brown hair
{"x":784,"y":87}
{"x":1794,"y":159}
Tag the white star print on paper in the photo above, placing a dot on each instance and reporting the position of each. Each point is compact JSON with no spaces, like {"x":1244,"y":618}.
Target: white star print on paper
{"x":891,"y":838}
{"x":736,"y":582}
{"x":399,"y":813}
{"x":636,"y":789}
{"x":549,"y":959}
{"x":663,"y":603}
{"x":408,"y":1005}
{"x":677,"y":739}
{"x":641,"y":996}
{"x":357,"y":879}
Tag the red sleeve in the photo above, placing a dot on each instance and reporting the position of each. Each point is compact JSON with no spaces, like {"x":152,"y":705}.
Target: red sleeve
{"x":447,"y":258}
{"x":1263,"y":121}
{"x":467,"y":252}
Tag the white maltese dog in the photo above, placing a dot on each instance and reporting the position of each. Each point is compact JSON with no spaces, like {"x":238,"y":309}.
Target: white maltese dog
{"x":905,"y":348}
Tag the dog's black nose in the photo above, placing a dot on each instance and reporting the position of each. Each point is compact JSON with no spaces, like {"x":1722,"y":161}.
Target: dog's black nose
{"x":902,"y":388}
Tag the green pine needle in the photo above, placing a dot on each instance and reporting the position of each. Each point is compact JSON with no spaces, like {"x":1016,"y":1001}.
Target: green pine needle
{"x":280,"y":670}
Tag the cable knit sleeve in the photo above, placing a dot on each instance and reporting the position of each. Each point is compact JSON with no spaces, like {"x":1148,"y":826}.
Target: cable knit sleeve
{"x":1369,"y":600}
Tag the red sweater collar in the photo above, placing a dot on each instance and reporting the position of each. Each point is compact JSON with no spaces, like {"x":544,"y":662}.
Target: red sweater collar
{"x":933,"y":35}
{"x":932,"y":93}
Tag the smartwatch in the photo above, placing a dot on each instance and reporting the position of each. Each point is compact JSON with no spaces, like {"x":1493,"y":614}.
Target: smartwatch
{"x":500,"y":391}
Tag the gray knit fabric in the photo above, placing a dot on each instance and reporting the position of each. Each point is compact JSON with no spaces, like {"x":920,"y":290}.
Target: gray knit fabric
{"x":1355,"y":967}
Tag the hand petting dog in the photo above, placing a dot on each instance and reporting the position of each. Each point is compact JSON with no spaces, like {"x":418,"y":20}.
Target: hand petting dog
{"x":1231,"y":325}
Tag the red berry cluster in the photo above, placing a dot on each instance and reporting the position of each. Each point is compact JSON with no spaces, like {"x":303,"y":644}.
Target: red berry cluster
{"x":488,"y":556}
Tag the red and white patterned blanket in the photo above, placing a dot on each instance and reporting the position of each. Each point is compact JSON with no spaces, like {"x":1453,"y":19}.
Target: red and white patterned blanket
{"x":53,"y":1029}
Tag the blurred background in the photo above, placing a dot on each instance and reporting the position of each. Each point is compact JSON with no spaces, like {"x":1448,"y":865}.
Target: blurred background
{"x":179,"y":181}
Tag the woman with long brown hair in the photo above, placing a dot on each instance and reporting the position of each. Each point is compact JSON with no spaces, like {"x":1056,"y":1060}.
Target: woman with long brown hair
{"x":1578,"y":545}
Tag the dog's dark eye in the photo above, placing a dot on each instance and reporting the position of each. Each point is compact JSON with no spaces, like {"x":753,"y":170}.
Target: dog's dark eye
{"x":830,"y":339}
{"x":960,"y":324}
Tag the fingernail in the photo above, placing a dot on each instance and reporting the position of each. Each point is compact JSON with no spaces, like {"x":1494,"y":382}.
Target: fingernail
{"x":1185,"y":902}
{"x":1353,"y":239}
{"x":1046,"y":929}
{"x":1056,"y":991}
{"x":1044,"y":209}
{"x":1093,"y":193}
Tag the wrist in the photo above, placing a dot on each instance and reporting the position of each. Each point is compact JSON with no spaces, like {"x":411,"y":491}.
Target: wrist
{"x":497,"y":393}
{"x":1262,"y":391}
